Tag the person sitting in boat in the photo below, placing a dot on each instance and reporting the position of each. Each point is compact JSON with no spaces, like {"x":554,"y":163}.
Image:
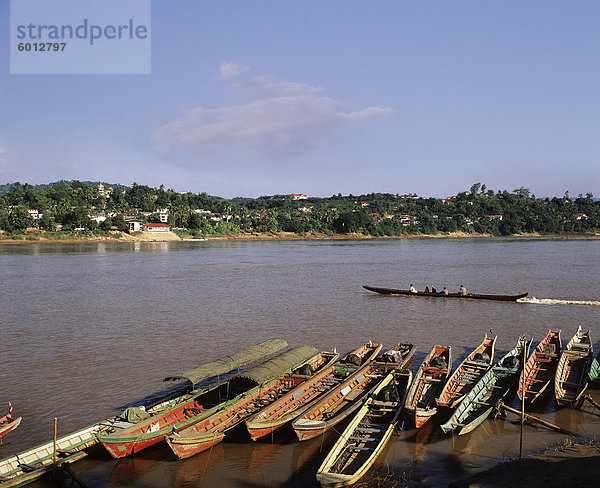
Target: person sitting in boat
{"x":412,"y":289}
{"x":445,"y":291}
{"x":433,"y":290}
{"x":426,"y":290}
{"x":463,"y":290}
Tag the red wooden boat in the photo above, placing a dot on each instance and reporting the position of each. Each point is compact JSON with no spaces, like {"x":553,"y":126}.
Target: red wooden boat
{"x":296,"y":401}
{"x":7,"y":424}
{"x":268,"y":385}
{"x":468,"y":373}
{"x":538,"y":374}
{"x":428,"y":382}
{"x":347,"y":397}
{"x":195,"y":408}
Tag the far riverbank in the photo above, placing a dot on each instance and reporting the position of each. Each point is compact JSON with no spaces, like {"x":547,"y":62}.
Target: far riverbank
{"x":113,"y":237}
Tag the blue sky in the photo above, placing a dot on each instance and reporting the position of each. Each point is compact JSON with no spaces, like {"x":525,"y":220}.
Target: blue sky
{"x":250,"y":98}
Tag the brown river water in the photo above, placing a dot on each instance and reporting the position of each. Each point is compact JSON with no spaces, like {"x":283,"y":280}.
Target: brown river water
{"x":87,"y":329}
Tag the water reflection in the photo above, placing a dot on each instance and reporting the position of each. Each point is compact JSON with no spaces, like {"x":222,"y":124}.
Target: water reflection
{"x":108,"y":322}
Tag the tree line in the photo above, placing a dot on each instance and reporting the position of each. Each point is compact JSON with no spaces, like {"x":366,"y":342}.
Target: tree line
{"x":479,"y":210}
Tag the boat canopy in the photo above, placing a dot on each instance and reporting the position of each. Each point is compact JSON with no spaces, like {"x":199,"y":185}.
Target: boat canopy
{"x":279,"y":365}
{"x":231,"y":362}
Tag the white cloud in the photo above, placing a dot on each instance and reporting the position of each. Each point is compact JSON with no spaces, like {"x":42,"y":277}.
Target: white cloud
{"x":231,"y":70}
{"x":282,"y":120}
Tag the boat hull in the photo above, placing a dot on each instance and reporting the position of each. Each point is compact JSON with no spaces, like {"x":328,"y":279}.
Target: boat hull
{"x":469,"y":296}
{"x":366,"y":436}
{"x":468,"y":373}
{"x":7,"y":425}
{"x":213,"y":429}
{"x":184,"y":448}
{"x":427,"y":385}
{"x":345,"y":399}
{"x":572,"y":379}
{"x":489,"y":390}
{"x":537,"y":377}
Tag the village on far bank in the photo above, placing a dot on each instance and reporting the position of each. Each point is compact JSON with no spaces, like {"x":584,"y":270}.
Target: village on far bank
{"x":77,"y":209}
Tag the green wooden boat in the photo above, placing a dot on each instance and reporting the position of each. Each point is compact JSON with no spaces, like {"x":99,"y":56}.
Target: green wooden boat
{"x":477,"y":405}
{"x":595,"y":369}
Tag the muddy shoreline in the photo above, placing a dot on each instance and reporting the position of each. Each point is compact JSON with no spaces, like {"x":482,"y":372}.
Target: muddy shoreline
{"x":568,"y":465}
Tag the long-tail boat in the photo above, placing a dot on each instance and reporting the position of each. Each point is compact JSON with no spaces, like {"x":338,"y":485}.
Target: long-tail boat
{"x":33,"y":463}
{"x":365,"y":438}
{"x":468,"y":296}
{"x":495,"y":384}
{"x":537,"y":377}
{"x":572,"y":378}
{"x":249,"y":392}
{"x":468,"y":373}
{"x":188,"y":409}
{"x":297,"y":400}
{"x":427,"y":385}
{"x":346,"y":398}
{"x":7,"y":424}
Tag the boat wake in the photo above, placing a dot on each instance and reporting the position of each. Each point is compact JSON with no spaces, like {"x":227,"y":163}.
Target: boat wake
{"x":553,"y":301}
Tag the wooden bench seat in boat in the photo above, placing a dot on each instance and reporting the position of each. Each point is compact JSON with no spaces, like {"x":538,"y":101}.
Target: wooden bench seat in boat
{"x":477,"y":364}
{"x":380,"y":403}
{"x":369,"y":430}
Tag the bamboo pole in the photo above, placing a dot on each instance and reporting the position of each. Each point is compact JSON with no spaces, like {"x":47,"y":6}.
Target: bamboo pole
{"x":539,"y":421}
{"x":54,"y":450}
{"x":522,"y":402}
{"x":590,"y":399}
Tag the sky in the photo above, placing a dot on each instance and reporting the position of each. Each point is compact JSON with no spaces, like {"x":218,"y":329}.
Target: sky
{"x":262,"y":97}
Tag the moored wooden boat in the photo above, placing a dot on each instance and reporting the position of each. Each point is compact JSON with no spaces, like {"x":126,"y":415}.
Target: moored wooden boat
{"x":8,"y":424}
{"x":31,"y":464}
{"x":427,"y":385}
{"x":571,"y":379}
{"x":495,"y":384}
{"x":264,"y":385}
{"x":297,"y":400}
{"x":343,"y":400}
{"x":471,"y":296}
{"x":366,"y":436}
{"x":188,"y":409}
{"x":468,"y":373}
{"x":537,"y":376}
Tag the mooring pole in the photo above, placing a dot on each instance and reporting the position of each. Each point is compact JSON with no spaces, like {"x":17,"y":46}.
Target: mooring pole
{"x":522,"y":401}
{"x":54,"y":450}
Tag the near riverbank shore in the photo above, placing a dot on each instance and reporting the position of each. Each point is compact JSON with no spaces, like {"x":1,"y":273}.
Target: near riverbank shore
{"x":568,"y":465}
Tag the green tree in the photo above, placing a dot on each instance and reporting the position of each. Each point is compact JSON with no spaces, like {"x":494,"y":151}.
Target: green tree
{"x":475,"y":188}
{"x":19,"y":219}
{"x":106,"y":224}
{"x":118,"y":221}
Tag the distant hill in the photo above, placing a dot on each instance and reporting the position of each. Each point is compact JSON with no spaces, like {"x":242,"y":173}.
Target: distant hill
{"x":4,"y":188}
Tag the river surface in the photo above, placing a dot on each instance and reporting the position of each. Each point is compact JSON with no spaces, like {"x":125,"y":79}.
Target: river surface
{"x":89,"y":328}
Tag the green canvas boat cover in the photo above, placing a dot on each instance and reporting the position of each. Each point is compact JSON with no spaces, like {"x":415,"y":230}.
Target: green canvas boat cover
{"x":280,"y":365}
{"x":231,"y":362}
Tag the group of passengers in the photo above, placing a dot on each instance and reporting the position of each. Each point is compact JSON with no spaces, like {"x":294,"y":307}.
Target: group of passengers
{"x":461,"y":291}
